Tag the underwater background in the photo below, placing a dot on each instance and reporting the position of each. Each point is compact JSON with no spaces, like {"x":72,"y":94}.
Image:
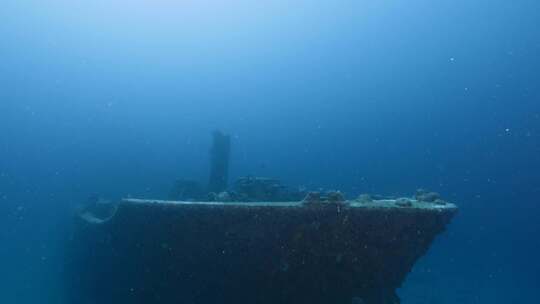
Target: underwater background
{"x":119,"y":98}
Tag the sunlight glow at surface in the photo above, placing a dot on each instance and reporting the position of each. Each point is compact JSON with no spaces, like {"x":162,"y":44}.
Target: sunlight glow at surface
{"x":223,"y":25}
{"x":162,"y":17}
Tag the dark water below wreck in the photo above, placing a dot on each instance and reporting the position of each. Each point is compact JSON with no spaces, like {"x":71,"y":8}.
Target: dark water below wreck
{"x":118,"y":98}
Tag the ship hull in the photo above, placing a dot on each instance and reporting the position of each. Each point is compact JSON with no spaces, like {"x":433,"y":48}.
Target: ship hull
{"x":182,"y":252}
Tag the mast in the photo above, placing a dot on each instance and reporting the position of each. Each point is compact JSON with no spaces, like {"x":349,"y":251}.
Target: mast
{"x":219,"y":162}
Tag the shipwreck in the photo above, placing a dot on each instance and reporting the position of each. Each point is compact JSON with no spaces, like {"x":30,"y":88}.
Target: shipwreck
{"x":256,"y":242}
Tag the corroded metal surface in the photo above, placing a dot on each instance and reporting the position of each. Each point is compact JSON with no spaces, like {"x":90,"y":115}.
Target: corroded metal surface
{"x":152,"y":251}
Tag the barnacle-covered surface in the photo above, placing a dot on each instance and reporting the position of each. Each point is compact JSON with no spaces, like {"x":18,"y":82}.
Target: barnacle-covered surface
{"x":316,"y":252}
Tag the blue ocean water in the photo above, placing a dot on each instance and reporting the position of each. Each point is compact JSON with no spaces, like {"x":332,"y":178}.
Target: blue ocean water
{"x":119,"y":98}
